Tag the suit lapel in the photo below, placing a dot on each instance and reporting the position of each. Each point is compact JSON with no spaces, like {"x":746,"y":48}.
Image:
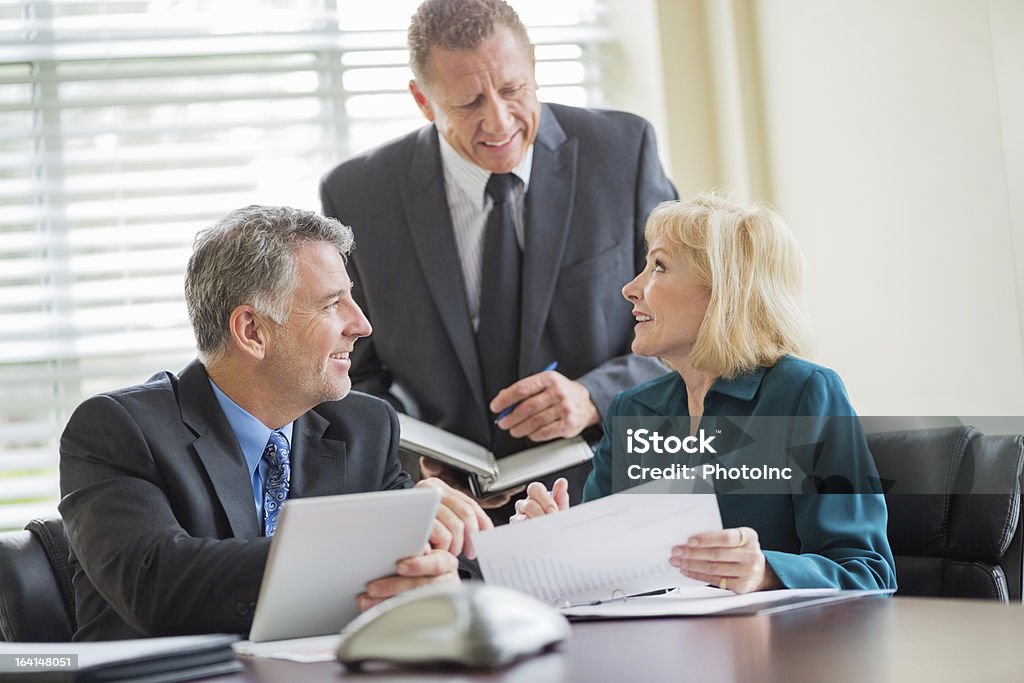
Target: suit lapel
{"x":318,"y":467}
{"x":218,"y":450}
{"x":433,"y":238}
{"x":549,"y":206}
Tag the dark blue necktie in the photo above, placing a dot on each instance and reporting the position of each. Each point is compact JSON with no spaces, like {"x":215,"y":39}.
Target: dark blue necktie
{"x":279,"y":475}
{"x":497,"y":335}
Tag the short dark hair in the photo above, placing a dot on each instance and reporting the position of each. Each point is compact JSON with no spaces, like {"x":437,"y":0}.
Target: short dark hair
{"x":457,"y":25}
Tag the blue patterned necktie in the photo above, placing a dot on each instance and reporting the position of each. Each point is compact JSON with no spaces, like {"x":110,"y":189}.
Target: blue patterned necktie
{"x":275,"y":490}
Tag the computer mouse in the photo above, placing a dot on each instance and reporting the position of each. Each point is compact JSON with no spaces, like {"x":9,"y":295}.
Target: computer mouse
{"x":470,"y":624}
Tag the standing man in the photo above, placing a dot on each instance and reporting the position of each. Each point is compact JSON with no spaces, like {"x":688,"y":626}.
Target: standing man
{"x":170,"y":489}
{"x":495,"y":240}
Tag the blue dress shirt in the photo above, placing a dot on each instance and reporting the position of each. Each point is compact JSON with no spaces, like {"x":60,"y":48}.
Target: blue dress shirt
{"x":830,"y":540}
{"x":252,"y":437}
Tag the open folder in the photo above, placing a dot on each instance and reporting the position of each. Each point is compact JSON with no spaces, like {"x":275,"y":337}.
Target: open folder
{"x":488,"y":474}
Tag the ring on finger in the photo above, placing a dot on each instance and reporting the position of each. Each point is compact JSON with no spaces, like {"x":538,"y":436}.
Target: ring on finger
{"x":723,"y":583}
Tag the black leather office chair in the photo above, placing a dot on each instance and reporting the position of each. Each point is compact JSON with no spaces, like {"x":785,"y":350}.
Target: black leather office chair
{"x":36,"y":595}
{"x":946,"y":542}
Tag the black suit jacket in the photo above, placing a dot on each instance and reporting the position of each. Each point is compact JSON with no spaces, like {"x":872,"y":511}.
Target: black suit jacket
{"x":595,"y":178}
{"x":157,"y":501}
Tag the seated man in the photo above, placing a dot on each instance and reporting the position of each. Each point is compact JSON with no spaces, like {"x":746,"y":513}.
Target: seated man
{"x":171,"y":489}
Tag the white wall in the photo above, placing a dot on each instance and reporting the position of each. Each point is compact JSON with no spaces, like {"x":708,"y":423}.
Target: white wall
{"x":887,"y":157}
{"x":889,"y":134}
{"x":632,"y":74}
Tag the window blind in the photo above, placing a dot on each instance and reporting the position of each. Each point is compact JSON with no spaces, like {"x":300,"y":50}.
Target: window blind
{"x":128,"y":125}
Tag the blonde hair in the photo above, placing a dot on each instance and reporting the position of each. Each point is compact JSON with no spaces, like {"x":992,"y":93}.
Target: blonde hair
{"x":751,"y":264}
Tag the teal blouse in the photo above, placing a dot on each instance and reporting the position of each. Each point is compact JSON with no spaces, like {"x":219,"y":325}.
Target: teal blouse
{"x":815,"y":540}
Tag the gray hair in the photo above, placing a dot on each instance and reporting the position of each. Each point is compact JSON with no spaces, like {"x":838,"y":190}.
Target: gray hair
{"x":248,"y":257}
{"x":457,"y":25}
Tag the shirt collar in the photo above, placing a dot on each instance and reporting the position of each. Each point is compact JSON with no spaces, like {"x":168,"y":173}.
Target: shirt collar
{"x":472,"y":179}
{"x":743,"y":387}
{"x":671,"y":391}
{"x":252,"y":434}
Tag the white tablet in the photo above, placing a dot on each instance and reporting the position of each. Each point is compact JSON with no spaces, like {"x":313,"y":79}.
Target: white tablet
{"x":327,"y":549}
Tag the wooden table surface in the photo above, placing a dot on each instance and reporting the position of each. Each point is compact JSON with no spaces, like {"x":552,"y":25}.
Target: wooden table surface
{"x":872,"y":639}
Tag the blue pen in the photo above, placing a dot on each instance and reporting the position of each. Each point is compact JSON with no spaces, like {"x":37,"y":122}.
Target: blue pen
{"x":503,"y":414}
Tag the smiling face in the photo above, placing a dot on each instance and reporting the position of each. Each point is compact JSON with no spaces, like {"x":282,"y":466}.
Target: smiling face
{"x":669,"y":303}
{"x":309,"y":353}
{"x":483,"y":101}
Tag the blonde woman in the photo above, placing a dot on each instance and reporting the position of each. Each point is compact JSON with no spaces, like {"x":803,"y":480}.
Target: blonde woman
{"x":718,"y":302}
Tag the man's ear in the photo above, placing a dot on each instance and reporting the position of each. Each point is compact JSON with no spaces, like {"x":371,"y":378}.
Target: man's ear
{"x":249,"y":332}
{"x":421,"y":101}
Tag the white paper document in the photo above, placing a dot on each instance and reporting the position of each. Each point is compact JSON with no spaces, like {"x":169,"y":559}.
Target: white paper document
{"x":597,"y":551}
{"x":303,"y":650}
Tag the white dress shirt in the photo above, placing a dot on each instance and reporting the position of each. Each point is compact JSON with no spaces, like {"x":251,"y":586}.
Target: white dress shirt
{"x":465,"y":185}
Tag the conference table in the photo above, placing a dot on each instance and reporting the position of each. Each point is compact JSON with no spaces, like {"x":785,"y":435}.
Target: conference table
{"x":870,"y":639}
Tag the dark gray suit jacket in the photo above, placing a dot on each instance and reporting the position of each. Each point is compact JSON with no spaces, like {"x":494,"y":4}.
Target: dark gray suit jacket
{"x":595,"y":178}
{"x":158,"y":504}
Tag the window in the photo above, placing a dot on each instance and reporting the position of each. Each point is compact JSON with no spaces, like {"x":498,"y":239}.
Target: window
{"x":127,"y":125}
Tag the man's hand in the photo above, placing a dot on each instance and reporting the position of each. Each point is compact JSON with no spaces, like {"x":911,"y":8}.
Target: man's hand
{"x":433,"y":566}
{"x":458,"y":516}
{"x":539,"y":501}
{"x":550,"y":406}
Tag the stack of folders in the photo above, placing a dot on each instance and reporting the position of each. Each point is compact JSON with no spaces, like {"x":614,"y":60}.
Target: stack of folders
{"x":179,"y":658}
{"x":486,"y":473}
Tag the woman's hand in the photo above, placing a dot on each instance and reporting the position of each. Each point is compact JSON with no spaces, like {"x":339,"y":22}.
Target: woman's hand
{"x":730,"y":559}
{"x":539,"y":501}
